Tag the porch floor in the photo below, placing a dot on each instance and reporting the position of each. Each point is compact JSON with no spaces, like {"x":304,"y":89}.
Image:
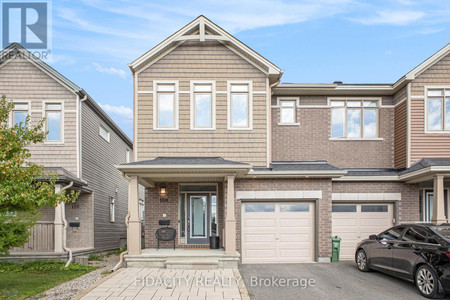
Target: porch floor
{"x":183,"y":258}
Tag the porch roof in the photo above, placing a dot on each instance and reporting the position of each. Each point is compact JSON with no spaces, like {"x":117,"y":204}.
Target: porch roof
{"x":296,"y":169}
{"x":182,"y":169}
{"x":425,"y":169}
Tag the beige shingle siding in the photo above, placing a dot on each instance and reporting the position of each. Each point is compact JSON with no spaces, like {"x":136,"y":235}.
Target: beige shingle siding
{"x":98,"y":160}
{"x":20,"y":80}
{"x":428,"y":145}
{"x":400,"y":136}
{"x":202,"y":61}
{"x":400,"y":96}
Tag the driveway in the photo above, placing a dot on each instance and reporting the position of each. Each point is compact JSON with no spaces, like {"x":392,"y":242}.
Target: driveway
{"x":332,"y":281}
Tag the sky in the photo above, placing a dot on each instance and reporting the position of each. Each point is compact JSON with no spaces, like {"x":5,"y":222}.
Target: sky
{"x":313,"y":41}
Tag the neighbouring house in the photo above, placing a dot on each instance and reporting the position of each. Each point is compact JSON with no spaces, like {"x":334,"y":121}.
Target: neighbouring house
{"x":275,"y":169}
{"x":82,"y":147}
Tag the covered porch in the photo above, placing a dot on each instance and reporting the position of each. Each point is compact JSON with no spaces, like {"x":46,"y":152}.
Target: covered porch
{"x":194,"y":196}
{"x":433,"y":177}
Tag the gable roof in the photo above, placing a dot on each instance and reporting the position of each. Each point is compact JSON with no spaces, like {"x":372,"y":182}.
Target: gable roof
{"x":13,"y":49}
{"x":203,"y":29}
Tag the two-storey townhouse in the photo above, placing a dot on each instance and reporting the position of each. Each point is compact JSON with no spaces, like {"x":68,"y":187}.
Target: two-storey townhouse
{"x":276,"y":169}
{"x":82,"y":147}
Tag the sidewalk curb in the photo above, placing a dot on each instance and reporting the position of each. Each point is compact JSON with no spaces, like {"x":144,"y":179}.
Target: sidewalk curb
{"x":242,"y":288}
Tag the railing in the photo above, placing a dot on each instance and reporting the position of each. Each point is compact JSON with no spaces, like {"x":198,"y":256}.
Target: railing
{"x":42,"y":238}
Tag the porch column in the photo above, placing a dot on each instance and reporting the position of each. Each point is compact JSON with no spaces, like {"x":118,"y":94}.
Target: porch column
{"x":134,"y":222}
{"x":58,"y":223}
{"x":438,"y":201}
{"x":230,"y":220}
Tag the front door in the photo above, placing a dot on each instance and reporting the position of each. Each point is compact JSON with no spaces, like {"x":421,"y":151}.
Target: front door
{"x":198,"y":219}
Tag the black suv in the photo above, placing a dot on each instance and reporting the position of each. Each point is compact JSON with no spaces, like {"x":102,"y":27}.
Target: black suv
{"x":415,"y":252}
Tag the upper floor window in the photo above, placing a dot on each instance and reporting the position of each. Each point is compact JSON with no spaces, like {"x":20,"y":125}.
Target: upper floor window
{"x":240,"y":106}
{"x":438,"y":109}
{"x":104,"y":133}
{"x":288,"y":111}
{"x":203,"y":106}
{"x":354,"y":119}
{"x":19,"y":114}
{"x":53,"y":122}
{"x":166,"y":106}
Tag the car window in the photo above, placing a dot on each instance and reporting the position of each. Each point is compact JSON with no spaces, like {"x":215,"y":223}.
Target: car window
{"x":392,"y":234}
{"x":414,"y":234}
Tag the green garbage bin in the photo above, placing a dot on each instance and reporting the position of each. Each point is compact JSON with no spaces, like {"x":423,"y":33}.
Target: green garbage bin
{"x":336,"y":248}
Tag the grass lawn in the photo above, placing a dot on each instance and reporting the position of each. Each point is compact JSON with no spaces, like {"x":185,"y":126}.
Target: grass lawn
{"x":18,"y":281}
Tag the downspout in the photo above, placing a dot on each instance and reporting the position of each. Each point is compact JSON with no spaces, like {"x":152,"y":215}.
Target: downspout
{"x":65,"y":228}
{"x":269,"y":121}
{"x":127,"y":219}
{"x":119,"y":264}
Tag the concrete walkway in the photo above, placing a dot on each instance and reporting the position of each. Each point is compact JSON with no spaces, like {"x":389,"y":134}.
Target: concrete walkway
{"x":165,"y":284}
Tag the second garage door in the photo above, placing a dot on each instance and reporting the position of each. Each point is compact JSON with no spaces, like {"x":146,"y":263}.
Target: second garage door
{"x":277,"y":232}
{"x":355,"y":222}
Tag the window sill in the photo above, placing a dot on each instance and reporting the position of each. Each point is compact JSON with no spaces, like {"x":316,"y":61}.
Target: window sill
{"x":437,"y":132}
{"x":354,"y":139}
{"x":53,"y":143}
{"x":288,"y":124}
{"x":239,"y":129}
{"x":162,"y":129}
{"x":203,"y":129}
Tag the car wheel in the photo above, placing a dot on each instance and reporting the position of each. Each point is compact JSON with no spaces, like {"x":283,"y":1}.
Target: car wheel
{"x":427,"y":282}
{"x":361,"y":261}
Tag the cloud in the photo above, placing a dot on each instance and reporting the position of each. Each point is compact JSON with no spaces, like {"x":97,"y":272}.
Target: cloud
{"x":389,"y":17}
{"x":426,"y":31}
{"x":120,"y":111}
{"x":110,"y":70}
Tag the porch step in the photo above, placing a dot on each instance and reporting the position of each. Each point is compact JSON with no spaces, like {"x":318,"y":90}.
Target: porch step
{"x":192,"y":264}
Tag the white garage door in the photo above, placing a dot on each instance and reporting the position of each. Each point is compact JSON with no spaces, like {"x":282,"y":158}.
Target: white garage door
{"x":355,"y":222}
{"x":277,"y":232}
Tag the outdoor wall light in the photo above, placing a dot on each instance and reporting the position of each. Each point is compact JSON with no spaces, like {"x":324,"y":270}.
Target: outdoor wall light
{"x":163,"y":190}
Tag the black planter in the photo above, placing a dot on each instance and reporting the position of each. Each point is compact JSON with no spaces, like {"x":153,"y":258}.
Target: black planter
{"x":214,"y":242}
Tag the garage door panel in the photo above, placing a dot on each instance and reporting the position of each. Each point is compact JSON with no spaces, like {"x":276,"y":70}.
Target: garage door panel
{"x":250,"y":237}
{"x":353,"y":227}
{"x":344,"y":222}
{"x":267,"y":222}
{"x":283,"y":235}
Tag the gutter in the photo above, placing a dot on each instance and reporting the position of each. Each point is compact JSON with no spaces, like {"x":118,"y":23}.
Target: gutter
{"x":69,"y":261}
{"x":127,"y":219}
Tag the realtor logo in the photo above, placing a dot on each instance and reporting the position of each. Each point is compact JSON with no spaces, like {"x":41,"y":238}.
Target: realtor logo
{"x":26,"y":23}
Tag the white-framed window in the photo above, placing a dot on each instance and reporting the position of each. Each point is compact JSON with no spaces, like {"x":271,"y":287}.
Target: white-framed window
{"x":112,"y":209}
{"x":54,"y":122}
{"x":104,"y":133}
{"x":354,"y":118}
{"x":438,"y":110}
{"x":165,"y":105}
{"x":19,"y":113}
{"x":288,"y":111}
{"x":240,"y":111}
{"x":142,"y":210}
{"x":203,"y":105}
{"x":128,"y":156}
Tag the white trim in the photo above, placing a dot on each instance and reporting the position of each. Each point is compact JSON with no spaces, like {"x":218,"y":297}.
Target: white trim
{"x":419,"y":97}
{"x":259,"y":93}
{"x":408,"y":125}
{"x":250,"y":104}
{"x":367,"y":178}
{"x":366,"y":196}
{"x":355,"y":139}
{"x":28,"y":102}
{"x":145,"y":92}
{"x":135,"y":115}
{"x":78,"y":141}
{"x":272,"y":69}
{"x":425,"y":99}
{"x":44,"y":111}
{"x":213,"y":104}
{"x":342,"y":98}
{"x":222,"y":92}
{"x":268,"y":123}
{"x":260,"y":195}
{"x":428,"y":63}
{"x":155,"y":104}
{"x":107,"y":131}
{"x":296,"y":101}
